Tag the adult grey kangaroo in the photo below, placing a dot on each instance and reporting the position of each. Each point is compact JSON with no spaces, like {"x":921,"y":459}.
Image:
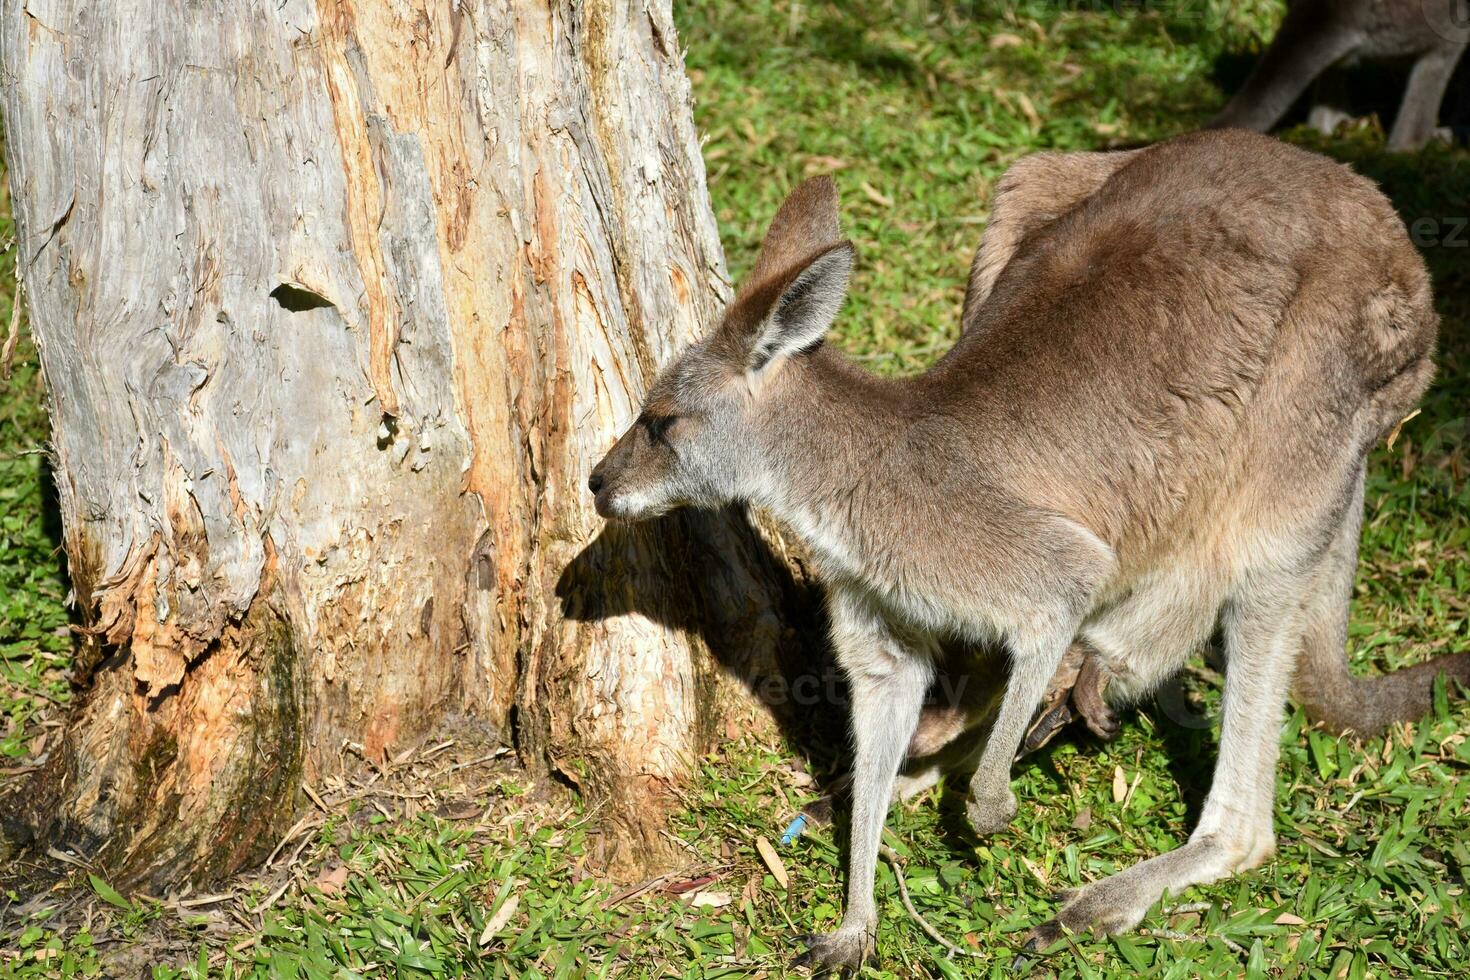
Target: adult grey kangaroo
{"x":1153,"y":425}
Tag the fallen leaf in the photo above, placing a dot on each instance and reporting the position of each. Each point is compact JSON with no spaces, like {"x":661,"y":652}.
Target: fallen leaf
{"x":773,"y":861}
{"x":799,"y":777}
{"x":331,"y":882}
{"x":1120,"y":784}
{"x":1128,"y":797}
{"x":460,"y":810}
{"x":500,"y":918}
{"x":822,"y":165}
{"x":751,"y":890}
{"x":689,"y":884}
{"x":1393,"y":436}
{"x":1029,"y":110}
{"x":712,"y":900}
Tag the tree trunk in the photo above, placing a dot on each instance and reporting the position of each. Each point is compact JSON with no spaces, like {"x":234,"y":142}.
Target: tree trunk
{"x":337,"y":304}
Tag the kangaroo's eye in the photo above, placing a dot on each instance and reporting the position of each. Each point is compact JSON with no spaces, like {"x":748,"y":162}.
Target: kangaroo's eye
{"x":657,"y":426}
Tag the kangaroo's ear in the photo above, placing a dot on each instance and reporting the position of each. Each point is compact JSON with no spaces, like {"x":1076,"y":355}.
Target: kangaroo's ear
{"x":792,"y":294}
{"x":804,"y":308}
{"x":806,"y":223}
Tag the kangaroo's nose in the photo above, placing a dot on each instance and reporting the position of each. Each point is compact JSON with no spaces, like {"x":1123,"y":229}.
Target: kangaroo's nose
{"x":594,"y":482}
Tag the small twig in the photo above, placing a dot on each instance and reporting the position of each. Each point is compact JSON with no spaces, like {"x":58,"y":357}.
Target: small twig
{"x":655,"y":882}
{"x":290,"y":880}
{"x":903,"y":894}
{"x":306,"y":788}
{"x":1188,"y":908}
{"x":435,"y":750}
{"x":472,"y":762}
{"x":52,"y":852}
{"x":305,"y":823}
{"x":198,"y":900}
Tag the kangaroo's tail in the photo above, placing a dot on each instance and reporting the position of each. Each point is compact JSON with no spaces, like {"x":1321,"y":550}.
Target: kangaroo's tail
{"x":1325,"y":685}
{"x":1332,"y":696}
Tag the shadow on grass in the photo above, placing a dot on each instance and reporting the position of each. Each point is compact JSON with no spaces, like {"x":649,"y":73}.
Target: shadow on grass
{"x":846,"y":40}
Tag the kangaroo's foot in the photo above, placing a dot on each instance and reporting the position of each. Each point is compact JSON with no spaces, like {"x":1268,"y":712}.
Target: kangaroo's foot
{"x":1118,"y":903}
{"x":1048,"y":723}
{"x":841,"y":952}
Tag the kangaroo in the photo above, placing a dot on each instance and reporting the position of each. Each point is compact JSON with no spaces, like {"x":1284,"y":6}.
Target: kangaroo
{"x":1317,"y":34}
{"x":1153,"y":425}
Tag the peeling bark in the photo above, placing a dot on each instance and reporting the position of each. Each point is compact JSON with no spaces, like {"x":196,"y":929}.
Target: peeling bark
{"x":337,"y":304}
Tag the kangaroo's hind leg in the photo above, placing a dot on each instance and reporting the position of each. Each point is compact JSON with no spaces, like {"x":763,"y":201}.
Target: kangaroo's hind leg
{"x":1305,"y":46}
{"x":1262,"y":629}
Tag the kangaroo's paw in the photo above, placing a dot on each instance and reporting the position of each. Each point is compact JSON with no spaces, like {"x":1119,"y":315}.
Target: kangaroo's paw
{"x":1103,"y":722}
{"x":841,"y":952}
{"x":1089,"y":695}
{"x":991,"y":814}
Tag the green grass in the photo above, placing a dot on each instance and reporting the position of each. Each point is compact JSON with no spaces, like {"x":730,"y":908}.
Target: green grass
{"x":917,"y":108}
{"x":35,"y":642}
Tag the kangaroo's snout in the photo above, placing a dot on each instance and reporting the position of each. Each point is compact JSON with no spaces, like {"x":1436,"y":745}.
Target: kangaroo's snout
{"x":601,"y":489}
{"x":614,"y":482}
